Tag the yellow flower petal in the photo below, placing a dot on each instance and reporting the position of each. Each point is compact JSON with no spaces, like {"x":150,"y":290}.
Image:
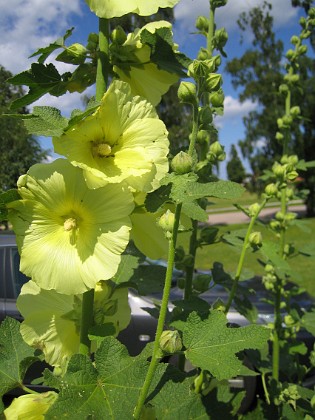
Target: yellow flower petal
{"x":116,"y":8}
{"x":68,"y":235}
{"x":30,"y":406}
{"x":129,"y":144}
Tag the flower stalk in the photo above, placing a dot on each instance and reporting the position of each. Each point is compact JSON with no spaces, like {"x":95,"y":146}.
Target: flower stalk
{"x":156,"y":354}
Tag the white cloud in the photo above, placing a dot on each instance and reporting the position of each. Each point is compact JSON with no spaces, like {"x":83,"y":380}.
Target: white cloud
{"x":234,"y":110}
{"x":27,"y":25}
{"x":187,"y":11}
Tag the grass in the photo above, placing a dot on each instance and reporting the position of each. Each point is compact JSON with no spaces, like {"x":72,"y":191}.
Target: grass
{"x":301,"y":236}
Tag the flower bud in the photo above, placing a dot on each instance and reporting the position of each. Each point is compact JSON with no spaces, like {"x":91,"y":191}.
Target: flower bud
{"x":279,"y":136}
{"x":217,"y":98}
{"x":269,"y":268}
{"x":278,"y":170}
{"x":290,"y":54}
{"x":201,"y":282}
{"x":217,"y":3}
{"x":218,"y":305}
{"x":253,"y":210}
{"x":279,"y":216}
{"x":295,"y":111}
{"x":118,"y":35}
{"x":271,"y":190}
{"x":283,"y":88}
{"x":275,"y":225}
{"x":203,"y":54}
{"x":170,"y":342}
{"x":255,"y":239}
{"x":203,"y":136}
{"x":213,"y":82}
{"x":302,"y":49}
{"x":292,"y":175}
{"x":287,"y":121}
{"x":92,"y":41}
{"x":205,"y":116}
{"x":182,"y":163}
{"x":208,"y":234}
{"x":166,"y":221}
{"x":187,"y":93}
{"x":290,"y":216}
{"x":181,"y":282}
{"x":202,"y":23}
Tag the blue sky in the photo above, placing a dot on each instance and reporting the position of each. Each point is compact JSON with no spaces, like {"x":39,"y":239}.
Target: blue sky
{"x":26,"y":25}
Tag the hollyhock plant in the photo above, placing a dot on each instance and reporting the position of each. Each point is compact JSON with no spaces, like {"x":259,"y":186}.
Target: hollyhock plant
{"x":124,"y":140}
{"x":69,"y":236}
{"x":144,"y":77}
{"x":116,"y":8}
{"x":52,"y":320}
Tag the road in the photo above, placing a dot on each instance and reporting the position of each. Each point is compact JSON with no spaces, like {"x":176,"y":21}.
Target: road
{"x":234,"y":217}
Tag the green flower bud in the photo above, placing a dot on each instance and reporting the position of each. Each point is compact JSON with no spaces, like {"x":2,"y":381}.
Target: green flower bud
{"x":205,"y":116}
{"x":218,"y":305}
{"x":271,"y":190}
{"x":295,"y":40}
{"x":275,"y":225}
{"x":166,"y":221}
{"x":253,"y":210}
{"x":292,"y":175}
{"x":201,"y":282}
{"x":179,"y":253}
{"x":279,"y":216}
{"x":289,"y":193}
{"x":221,"y":36}
{"x":216,"y":148}
{"x":217,"y":3}
{"x":203,"y":136}
{"x":182,"y":163}
{"x":208,"y":234}
{"x":302,"y":49}
{"x":118,"y":35}
{"x":170,"y":342}
{"x":278,"y":170}
{"x":290,"y":216}
{"x":202,"y":23}
{"x":279,"y":136}
{"x":283,"y":88}
{"x":292,"y":78}
{"x":187,"y":93}
{"x":295,"y":111}
{"x":213,"y":82}
{"x":269,"y":268}
{"x":287,"y":120}
{"x":203,"y":54}
{"x":217,"y":98}
{"x":290,"y":54}
{"x":280,"y":123}
{"x":255,"y":239}
{"x":293,"y":160}
{"x":92,"y":41}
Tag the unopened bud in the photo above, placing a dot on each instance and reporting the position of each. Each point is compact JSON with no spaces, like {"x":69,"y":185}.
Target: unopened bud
{"x":166,"y":221}
{"x":202,"y":23}
{"x":205,"y":116}
{"x":203,"y":136}
{"x":118,"y":35}
{"x":187,"y":93}
{"x":292,"y":175}
{"x":213,"y":82}
{"x":201,"y":282}
{"x":182,"y":163}
{"x":271,"y":190}
{"x":203,"y":54}
{"x":253,"y":210}
{"x":170,"y":342}
{"x":255,"y":239}
{"x":217,"y":98}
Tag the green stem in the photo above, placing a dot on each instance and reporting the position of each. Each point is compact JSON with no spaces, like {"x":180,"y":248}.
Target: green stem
{"x":242,"y":257}
{"x":263,"y":379}
{"x":190,"y":269}
{"x":275,"y":336}
{"x":194,"y":132}
{"x":28,"y":390}
{"x":156,"y":354}
{"x":86,"y":321}
{"x":210,"y":31}
{"x":103,"y":64}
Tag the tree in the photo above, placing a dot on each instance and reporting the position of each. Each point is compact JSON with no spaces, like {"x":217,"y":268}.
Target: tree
{"x":18,"y":150}
{"x":259,"y":72}
{"x":234,"y":167}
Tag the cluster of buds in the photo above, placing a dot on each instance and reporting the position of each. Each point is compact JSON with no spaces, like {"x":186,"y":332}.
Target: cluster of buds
{"x":270,"y":279}
{"x":285,"y":171}
{"x":216,"y":153}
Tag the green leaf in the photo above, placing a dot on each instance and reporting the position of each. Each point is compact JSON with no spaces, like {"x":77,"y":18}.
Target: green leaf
{"x":157,"y":198}
{"x":46,"y":51}
{"x":162,"y":52}
{"x":78,"y":115}
{"x":106,"y":389}
{"x":219,"y":189}
{"x":212,"y":346}
{"x":149,"y":279}
{"x":308,"y":322}
{"x":41,"y":79}
{"x":5,"y":198}
{"x":48,"y":122}
{"x":15,"y":356}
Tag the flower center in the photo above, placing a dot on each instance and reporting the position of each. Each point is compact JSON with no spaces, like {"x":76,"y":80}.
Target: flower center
{"x":101,"y":150}
{"x":70,"y":224}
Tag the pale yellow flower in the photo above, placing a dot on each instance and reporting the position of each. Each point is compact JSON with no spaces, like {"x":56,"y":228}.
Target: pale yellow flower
{"x":30,"y":406}
{"x":68,"y":235}
{"x":116,"y":8}
{"x":124,"y":140}
{"x":52,"y":320}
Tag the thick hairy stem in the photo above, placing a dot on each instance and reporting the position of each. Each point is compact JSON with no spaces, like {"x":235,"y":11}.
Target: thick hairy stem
{"x":156,"y":354}
{"x":192,"y":251}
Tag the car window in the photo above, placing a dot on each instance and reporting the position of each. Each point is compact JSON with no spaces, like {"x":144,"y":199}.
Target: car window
{"x":19,"y":278}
